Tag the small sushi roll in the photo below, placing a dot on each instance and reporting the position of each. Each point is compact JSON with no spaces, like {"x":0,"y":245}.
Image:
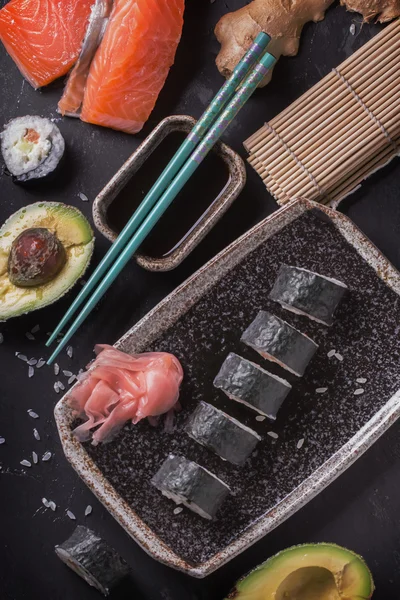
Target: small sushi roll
{"x":279,"y":342}
{"x":93,"y":560}
{"x":32,"y":148}
{"x":223,"y":434}
{"x":245,"y":382}
{"x":186,"y":482}
{"x":307,"y":293}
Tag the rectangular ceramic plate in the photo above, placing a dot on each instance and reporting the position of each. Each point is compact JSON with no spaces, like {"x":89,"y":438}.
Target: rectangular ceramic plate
{"x":201,"y":322}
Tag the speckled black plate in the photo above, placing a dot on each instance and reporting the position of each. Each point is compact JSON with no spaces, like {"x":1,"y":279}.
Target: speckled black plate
{"x":201,"y":322}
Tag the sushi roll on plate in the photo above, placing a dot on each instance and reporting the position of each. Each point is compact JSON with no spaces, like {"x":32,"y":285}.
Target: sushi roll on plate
{"x":93,"y":560}
{"x":186,"y":482}
{"x":223,"y":434}
{"x":246,"y":382}
{"x":32,"y":148}
{"x":279,"y":342}
{"x":307,"y":293}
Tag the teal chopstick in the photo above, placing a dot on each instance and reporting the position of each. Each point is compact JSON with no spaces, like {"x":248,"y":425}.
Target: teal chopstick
{"x":243,"y":94}
{"x":179,"y":159}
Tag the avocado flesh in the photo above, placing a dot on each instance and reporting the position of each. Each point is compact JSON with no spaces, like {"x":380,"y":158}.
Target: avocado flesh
{"x":73,"y":231}
{"x":308,"y":572}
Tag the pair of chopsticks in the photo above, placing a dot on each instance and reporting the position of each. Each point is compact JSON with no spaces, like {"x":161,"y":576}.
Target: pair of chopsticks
{"x":225,"y":106}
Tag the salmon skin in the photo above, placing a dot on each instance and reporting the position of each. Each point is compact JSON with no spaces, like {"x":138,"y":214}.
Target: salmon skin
{"x":132,"y":63}
{"x":44,"y":37}
{"x":72,"y":97}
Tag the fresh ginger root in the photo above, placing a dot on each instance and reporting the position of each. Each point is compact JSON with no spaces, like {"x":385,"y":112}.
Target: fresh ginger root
{"x":283,"y":20}
{"x":374,"y":10}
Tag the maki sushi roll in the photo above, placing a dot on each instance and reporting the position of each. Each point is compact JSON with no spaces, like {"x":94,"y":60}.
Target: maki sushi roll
{"x":245,"y":382}
{"x":93,"y":560}
{"x":32,"y":148}
{"x":279,"y":342}
{"x":223,"y":434}
{"x":186,"y":482}
{"x":307,"y":293}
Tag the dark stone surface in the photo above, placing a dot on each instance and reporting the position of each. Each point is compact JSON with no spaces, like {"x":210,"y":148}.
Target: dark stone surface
{"x":360,"y":510}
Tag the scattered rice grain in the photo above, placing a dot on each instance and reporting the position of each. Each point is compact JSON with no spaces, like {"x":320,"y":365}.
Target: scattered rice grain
{"x":30,"y":336}
{"x":260,"y":418}
{"x":321,"y":390}
{"x":52,"y":505}
{"x":45,"y":502}
{"x":88,"y":510}
{"x":331,"y":353}
{"x":2,"y":440}
{"x":71,"y":515}
{"x":40,"y":363}
{"x":67,"y":373}
{"x":56,"y":369}
{"x":358,"y":391}
{"x":25,"y":463}
{"x":300,"y":444}
{"x":32,"y":362}
{"x":31,"y":372}
{"x":71,"y":379}
{"x":178,"y":510}
{"x":46,"y":456}
{"x":338,"y":356}
{"x":273,"y":434}
{"x":361,"y":380}
{"x":352,"y":29}
{"x":35,"y":329}
{"x":32,"y":414}
{"x":36,"y":434}
{"x":56,"y":388}
{"x":83,"y":197}
{"x":35,"y":458}
{"x":21,"y":357}
{"x":61,"y":386}
{"x":70,"y":351}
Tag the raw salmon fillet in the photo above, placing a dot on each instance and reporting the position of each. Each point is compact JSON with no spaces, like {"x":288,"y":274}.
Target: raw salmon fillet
{"x":132,"y":63}
{"x":44,"y":37}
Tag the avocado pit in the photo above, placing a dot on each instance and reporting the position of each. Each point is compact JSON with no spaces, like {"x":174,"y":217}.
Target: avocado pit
{"x":36,"y":258}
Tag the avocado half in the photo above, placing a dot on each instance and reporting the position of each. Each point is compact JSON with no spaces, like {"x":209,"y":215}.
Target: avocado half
{"x":74,"y":232}
{"x":308,"y":572}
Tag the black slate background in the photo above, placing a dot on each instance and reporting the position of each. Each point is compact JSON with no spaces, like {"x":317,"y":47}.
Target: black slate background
{"x":360,"y":510}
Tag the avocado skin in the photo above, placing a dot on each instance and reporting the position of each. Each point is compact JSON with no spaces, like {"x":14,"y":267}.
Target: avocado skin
{"x":236,"y":593}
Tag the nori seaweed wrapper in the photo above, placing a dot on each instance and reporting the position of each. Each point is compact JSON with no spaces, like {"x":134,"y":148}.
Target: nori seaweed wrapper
{"x":311,"y":294}
{"x":223,"y":434}
{"x":93,"y":559}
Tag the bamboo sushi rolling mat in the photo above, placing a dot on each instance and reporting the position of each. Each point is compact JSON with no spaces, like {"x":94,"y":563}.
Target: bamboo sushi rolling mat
{"x":339,"y":132}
